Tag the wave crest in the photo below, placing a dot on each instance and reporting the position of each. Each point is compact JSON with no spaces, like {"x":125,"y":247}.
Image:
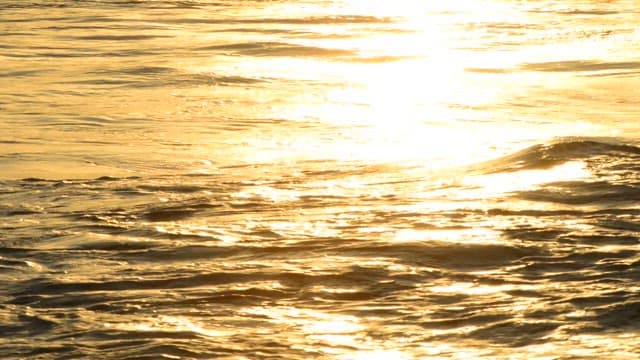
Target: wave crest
{"x":542,"y":156}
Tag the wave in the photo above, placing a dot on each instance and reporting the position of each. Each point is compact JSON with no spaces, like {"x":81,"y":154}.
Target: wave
{"x":604,"y":172}
{"x":158,"y":77}
{"x":581,"y":192}
{"x":589,"y":68}
{"x":580,"y":66}
{"x":319,"y":20}
{"x":542,"y":156}
{"x":277,"y":49}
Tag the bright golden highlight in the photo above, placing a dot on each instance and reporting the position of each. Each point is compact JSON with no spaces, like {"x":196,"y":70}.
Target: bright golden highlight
{"x":319,"y":179}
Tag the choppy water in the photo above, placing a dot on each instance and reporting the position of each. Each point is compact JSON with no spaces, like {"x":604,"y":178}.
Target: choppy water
{"x":319,"y":179}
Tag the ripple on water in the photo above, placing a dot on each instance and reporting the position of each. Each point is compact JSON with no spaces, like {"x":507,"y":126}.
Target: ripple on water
{"x":196,"y":179}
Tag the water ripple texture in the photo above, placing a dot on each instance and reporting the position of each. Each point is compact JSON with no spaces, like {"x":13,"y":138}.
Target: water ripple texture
{"x":319,"y":180}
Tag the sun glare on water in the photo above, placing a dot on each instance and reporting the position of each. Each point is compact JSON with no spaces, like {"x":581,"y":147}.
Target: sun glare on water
{"x":405,"y":94}
{"x":319,"y":179}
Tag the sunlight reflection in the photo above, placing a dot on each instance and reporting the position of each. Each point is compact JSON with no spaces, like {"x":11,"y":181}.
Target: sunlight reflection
{"x":337,"y":335}
{"x":421,"y":103}
{"x":311,"y":229}
{"x":413,"y":87}
{"x":377,"y":355}
{"x":406,"y":110}
{"x":330,"y":329}
{"x":394,"y":101}
{"x":205,"y":232}
{"x":333,"y":290}
{"x":471,"y":235}
{"x":169,"y":324}
{"x":504,"y":182}
{"x":311,"y":321}
{"x":268,"y":192}
{"x":476,"y":289}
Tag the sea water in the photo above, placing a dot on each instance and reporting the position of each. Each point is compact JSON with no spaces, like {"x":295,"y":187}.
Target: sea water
{"x":319,"y":179}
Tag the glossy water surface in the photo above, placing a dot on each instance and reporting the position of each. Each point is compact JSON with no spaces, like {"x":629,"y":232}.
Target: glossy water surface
{"x":319,"y":179}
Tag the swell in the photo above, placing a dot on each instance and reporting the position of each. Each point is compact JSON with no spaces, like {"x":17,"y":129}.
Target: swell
{"x":581,"y":66}
{"x":589,"y":68}
{"x":601,"y":172}
{"x":542,"y":156}
{"x":584,"y":192}
{"x":91,"y":279}
{"x":158,"y":77}
{"x":319,"y":20}
{"x":277,"y":49}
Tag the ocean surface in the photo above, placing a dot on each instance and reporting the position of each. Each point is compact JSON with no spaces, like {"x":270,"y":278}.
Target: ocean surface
{"x":319,"y":179}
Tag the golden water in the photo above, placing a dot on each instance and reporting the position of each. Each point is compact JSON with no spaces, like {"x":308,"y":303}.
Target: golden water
{"x":319,"y":179}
